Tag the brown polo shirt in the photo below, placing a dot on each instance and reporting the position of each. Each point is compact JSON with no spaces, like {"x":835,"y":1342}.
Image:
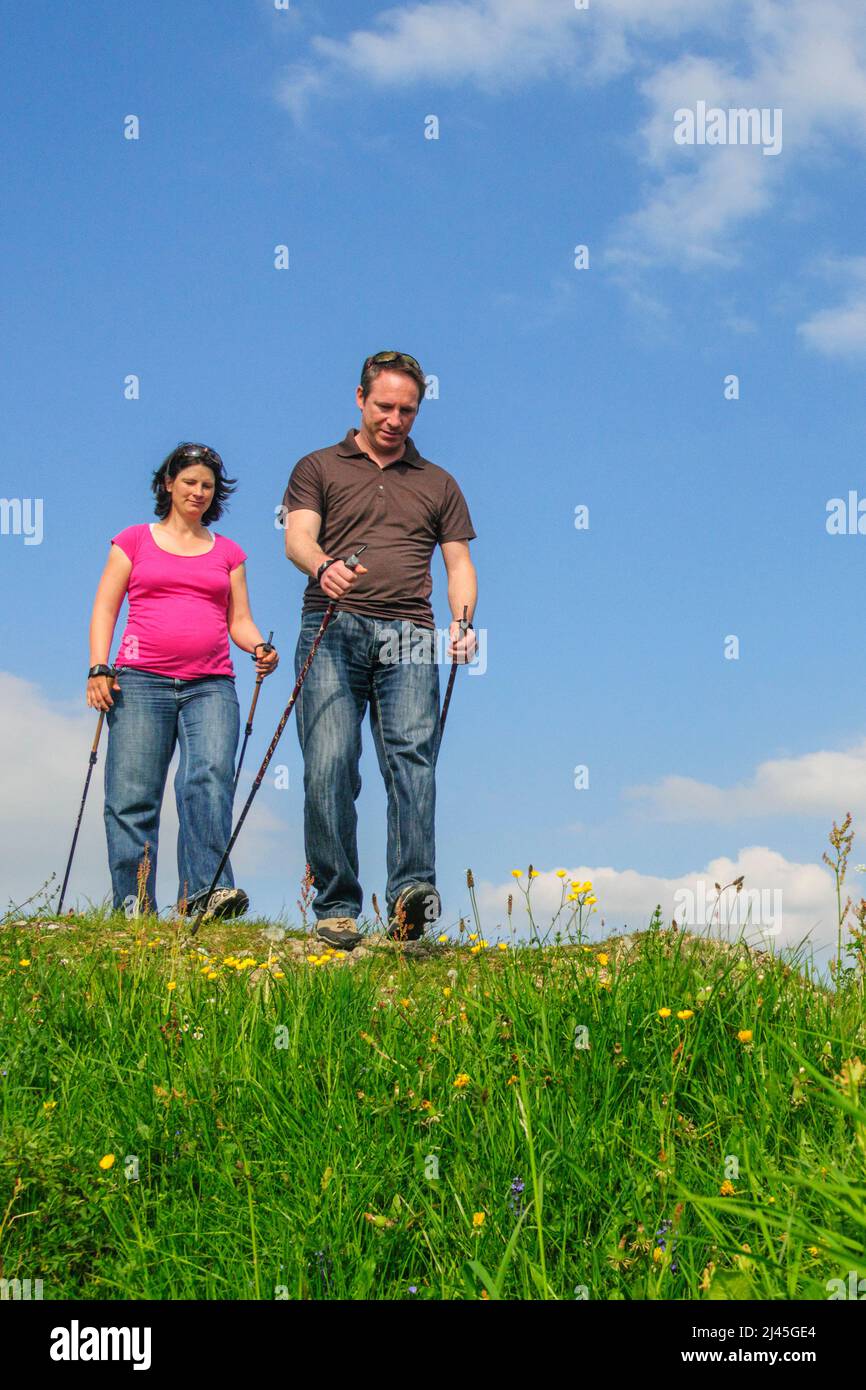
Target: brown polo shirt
{"x":401,"y":512}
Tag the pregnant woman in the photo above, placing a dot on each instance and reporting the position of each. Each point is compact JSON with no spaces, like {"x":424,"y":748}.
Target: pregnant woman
{"x":173,"y":684}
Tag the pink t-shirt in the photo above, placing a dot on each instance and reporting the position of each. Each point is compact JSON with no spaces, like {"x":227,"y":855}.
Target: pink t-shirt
{"x":177,"y":623}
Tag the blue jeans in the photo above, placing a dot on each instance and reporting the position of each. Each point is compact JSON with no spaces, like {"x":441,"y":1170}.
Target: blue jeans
{"x":352,"y":666}
{"x":151,"y":714}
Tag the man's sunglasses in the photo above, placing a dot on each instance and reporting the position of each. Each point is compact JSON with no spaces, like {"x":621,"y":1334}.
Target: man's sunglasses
{"x":382,"y":357}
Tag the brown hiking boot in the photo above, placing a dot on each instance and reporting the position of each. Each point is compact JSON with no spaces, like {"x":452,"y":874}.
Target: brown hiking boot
{"x":341,"y":932}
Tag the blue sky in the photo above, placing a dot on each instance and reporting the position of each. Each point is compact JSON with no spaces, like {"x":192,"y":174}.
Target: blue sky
{"x":558,"y":387}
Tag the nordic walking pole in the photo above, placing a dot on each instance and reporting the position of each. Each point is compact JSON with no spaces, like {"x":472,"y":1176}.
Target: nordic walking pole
{"x":268,"y":648}
{"x":464,"y":624}
{"x":91,"y":765}
{"x":350,"y":564}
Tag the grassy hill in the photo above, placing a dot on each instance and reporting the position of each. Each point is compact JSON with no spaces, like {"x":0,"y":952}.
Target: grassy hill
{"x":246,"y":1116}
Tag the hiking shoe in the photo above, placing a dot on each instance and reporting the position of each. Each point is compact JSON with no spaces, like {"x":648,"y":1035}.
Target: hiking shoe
{"x":226,"y":902}
{"x":341,"y":932}
{"x":416,"y":908}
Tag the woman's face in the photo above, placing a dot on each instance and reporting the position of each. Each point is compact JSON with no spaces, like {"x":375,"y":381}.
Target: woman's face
{"x":191,"y":491}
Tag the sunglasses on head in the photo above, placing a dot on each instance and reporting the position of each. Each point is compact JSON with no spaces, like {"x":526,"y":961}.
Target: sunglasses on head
{"x":382,"y":357}
{"x":192,"y":451}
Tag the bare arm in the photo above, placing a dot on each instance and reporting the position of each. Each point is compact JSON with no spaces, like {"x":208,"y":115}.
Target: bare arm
{"x":302,"y":540}
{"x":242,"y":628}
{"x":110,"y":593}
{"x":304,"y":551}
{"x":462,"y":591}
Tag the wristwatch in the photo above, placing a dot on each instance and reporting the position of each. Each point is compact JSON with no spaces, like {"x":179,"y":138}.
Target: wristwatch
{"x":102,"y":670}
{"x":321,"y":570}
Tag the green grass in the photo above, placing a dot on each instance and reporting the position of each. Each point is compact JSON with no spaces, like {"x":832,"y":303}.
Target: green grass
{"x":281,"y":1137}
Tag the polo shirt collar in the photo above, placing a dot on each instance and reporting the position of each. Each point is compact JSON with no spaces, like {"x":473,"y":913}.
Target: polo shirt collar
{"x":348,"y":448}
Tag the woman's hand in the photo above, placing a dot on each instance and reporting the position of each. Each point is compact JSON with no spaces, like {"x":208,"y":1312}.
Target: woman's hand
{"x":266,"y":662}
{"x":99,"y":690}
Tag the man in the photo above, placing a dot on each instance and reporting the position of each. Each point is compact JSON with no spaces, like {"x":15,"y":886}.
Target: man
{"x":375,"y":489}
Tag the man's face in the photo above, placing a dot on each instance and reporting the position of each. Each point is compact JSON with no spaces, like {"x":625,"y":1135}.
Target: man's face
{"x":388,"y":413}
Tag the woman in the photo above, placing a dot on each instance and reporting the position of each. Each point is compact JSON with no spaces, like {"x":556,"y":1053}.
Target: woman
{"x":187,"y":595}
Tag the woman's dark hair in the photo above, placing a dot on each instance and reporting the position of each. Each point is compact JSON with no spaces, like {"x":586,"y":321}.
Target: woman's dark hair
{"x":187,"y":456}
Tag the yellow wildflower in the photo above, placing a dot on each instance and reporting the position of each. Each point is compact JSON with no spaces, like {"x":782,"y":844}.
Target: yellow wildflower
{"x":664,"y":1013}
{"x":727,"y":1188}
{"x":602,"y":958}
{"x":24,"y":963}
{"x":515,"y":873}
{"x":744,"y":1035}
{"x":685,"y":1013}
{"x":478,"y":1219}
{"x":503,"y":945}
{"x":462,"y":1079}
{"x":447,"y":991}
{"x":560,"y":873}
{"x":107,"y":1161}
{"x":172,"y":984}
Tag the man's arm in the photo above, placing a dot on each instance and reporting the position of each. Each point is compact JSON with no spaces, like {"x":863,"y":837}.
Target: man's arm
{"x":462,"y":592}
{"x":304,"y":551}
{"x":302,"y":540}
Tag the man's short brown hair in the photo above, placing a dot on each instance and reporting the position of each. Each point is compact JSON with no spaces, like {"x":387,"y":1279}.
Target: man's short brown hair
{"x":392,"y":362}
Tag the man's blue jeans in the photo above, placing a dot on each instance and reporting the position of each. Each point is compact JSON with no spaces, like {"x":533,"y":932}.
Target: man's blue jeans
{"x":151,"y":714}
{"x":353,"y":665}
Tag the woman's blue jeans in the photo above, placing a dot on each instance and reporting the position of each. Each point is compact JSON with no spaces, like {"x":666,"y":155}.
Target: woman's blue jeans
{"x":151,"y":714}
{"x":353,"y":666}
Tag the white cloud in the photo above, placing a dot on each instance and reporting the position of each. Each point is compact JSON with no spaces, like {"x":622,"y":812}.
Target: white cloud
{"x":490,"y":44}
{"x":44,"y":751}
{"x":781,"y":903}
{"x":840,"y":331}
{"x":807,"y":59}
{"x":825,"y":783}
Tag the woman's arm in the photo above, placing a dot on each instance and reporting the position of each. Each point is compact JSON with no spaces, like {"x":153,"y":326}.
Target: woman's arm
{"x":110,"y":593}
{"x":242,"y":629}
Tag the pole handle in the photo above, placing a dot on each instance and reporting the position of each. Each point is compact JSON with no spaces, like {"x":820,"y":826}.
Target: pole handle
{"x":94,"y":746}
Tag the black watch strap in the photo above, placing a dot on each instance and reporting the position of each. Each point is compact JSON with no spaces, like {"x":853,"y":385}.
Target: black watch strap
{"x":322,"y":567}
{"x":101,"y":670}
